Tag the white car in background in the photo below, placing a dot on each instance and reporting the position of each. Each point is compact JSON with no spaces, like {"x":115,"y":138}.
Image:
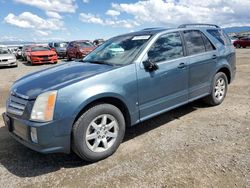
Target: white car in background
{"x":7,"y":59}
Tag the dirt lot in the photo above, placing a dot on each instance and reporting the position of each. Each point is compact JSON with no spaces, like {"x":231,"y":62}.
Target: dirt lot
{"x":192,"y":146}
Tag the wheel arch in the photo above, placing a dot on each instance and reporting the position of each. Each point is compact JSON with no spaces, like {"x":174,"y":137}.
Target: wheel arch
{"x":227,"y":72}
{"x":120,"y":104}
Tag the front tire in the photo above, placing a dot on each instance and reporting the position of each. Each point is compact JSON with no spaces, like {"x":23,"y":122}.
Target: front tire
{"x":219,"y":89}
{"x":98,"y":132}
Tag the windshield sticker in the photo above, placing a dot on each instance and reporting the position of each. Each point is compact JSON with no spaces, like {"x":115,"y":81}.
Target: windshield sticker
{"x":142,"y":37}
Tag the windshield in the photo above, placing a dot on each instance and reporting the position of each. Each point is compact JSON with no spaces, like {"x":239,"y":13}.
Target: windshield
{"x":4,"y":51}
{"x":85,"y":44}
{"x":61,"y":44}
{"x":119,"y":50}
{"x":39,"y":48}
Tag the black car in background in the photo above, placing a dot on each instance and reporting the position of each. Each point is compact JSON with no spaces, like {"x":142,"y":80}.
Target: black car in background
{"x":59,"y":48}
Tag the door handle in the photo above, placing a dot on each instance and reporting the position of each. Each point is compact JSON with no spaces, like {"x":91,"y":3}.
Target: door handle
{"x":182,"y":65}
{"x":214,"y":56}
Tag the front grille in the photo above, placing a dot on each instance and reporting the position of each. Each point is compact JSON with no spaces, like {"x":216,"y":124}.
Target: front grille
{"x":3,"y":60}
{"x":45,"y":56}
{"x":16,"y":105}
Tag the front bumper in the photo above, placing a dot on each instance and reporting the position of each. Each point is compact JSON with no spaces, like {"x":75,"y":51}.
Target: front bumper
{"x":8,"y":63}
{"x":61,"y":54}
{"x":48,"y":142}
{"x":40,"y":60}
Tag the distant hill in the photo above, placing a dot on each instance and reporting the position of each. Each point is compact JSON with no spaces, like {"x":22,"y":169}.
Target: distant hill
{"x":237,"y":29}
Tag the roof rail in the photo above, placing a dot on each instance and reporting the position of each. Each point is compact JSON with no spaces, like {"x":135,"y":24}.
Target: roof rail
{"x":198,"y":25}
{"x":151,"y":28}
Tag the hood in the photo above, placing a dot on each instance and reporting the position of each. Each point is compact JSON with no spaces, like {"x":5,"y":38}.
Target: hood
{"x":37,"y":53}
{"x":87,"y":49}
{"x":31,"y":85}
{"x":7,"y":56}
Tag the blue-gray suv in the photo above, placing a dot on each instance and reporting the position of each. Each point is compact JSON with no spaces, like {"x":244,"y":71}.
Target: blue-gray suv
{"x":86,"y":105}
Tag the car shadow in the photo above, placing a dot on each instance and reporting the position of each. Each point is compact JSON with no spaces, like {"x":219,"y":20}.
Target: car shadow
{"x":23,"y":162}
{"x":32,"y":65}
{"x":8,"y":67}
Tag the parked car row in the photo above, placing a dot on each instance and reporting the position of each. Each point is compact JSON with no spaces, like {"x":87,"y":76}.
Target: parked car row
{"x":39,"y":54}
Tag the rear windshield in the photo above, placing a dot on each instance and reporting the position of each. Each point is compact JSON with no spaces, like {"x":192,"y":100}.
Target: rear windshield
{"x":39,"y":48}
{"x":220,"y":35}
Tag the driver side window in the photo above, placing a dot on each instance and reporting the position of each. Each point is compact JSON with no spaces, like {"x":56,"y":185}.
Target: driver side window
{"x":166,"y":47}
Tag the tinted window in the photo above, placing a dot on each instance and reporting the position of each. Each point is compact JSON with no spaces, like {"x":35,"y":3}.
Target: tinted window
{"x":167,"y":47}
{"x":209,"y":46}
{"x":220,"y":35}
{"x":194,"y":42}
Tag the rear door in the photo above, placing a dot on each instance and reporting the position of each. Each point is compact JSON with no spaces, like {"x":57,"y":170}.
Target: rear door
{"x":202,"y":63}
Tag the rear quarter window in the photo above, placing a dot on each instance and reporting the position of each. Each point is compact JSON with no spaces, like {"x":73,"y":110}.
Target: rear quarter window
{"x":220,"y":35}
{"x":209,"y":46}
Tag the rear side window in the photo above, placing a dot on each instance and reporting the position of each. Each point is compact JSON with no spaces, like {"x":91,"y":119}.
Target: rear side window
{"x":209,"y":46}
{"x":166,"y":47}
{"x":220,"y":35}
{"x":194,"y":42}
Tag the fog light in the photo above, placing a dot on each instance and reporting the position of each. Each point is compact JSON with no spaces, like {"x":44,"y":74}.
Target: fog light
{"x":33,"y":134}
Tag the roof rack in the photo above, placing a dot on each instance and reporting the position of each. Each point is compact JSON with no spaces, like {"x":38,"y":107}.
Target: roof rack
{"x":152,"y":28}
{"x":198,"y":25}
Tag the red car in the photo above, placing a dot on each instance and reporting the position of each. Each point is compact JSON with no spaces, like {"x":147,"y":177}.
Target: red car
{"x":79,"y":49}
{"x":243,"y":42}
{"x":40,"y":55}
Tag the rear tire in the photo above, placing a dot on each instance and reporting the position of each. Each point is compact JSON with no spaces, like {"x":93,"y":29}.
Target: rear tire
{"x":98,"y":132}
{"x":238,"y":46}
{"x":78,"y":56}
{"x":219,"y":90}
{"x":68,"y":57}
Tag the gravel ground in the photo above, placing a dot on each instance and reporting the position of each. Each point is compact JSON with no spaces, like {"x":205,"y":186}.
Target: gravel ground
{"x":192,"y":146}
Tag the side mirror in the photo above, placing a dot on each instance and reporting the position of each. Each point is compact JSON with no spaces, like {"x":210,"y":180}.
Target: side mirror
{"x":149,"y":65}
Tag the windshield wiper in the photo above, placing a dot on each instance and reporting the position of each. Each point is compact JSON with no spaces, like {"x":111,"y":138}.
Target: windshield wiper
{"x":97,"y":62}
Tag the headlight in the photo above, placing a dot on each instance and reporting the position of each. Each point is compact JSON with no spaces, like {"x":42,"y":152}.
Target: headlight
{"x":43,"y":109}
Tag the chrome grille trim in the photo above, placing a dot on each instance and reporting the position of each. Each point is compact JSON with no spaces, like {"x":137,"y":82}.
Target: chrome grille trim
{"x":16,"y":105}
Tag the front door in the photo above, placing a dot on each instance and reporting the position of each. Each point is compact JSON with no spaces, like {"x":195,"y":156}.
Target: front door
{"x":166,"y":87}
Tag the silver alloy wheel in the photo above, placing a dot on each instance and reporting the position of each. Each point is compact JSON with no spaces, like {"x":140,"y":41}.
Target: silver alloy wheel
{"x":219,"y":90}
{"x":101,"y":133}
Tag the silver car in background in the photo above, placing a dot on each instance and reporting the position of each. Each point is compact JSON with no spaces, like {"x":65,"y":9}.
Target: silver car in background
{"x":7,"y":59}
